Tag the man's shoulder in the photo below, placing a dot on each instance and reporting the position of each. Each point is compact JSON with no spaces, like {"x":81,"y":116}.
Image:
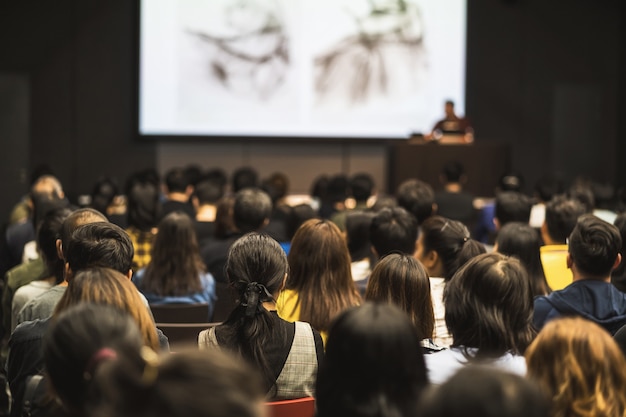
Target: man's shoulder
{"x":28,"y":331}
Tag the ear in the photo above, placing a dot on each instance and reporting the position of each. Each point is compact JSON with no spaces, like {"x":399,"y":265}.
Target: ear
{"x":434,"y":209}
{"x":544,"y":233}
{"x":570,"y":261}
{"x":129,"y":274}
{"x":68,"y":272}
{"x":282,"y":286}
{"x":430,"y":260}
{"x":496,"y":223}
{"x":618,"y":261}
{"x":59,"y":246}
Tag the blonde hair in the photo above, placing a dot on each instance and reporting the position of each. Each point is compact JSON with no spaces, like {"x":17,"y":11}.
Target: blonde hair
{"x":581,"y":367}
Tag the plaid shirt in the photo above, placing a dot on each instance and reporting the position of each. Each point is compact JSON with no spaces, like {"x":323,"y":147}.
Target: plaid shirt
{"x":142,"y":243}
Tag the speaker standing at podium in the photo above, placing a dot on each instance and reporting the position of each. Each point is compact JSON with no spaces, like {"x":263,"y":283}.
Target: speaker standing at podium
{"x":452,"y":126}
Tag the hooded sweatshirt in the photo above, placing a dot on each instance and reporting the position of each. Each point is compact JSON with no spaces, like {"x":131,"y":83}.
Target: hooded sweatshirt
{"x":591,"y":299}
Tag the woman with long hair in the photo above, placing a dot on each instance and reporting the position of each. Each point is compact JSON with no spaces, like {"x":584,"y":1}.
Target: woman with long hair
{"x":286,"y":354}
{"x":176,"y":273}
{"x":523,"y":242}
{"x":319,"y":285}
{"x":489,"y":311}
{"x":373,"y":365}
{"x":401,"y":280}
{"x":580,"y":367}
{"x":443,"y":246}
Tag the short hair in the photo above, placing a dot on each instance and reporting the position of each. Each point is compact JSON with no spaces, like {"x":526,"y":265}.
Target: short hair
{"x":103,"y":193}
{"x":416,"y":197}
{"x":453,"y":171}
{"x":580,"y":368}
{"x":561,"y":216}
{"x":584,"y":194}
{"x":512,"y":206}
{"x":176,"y":180}
{"x":511,"y":182}
{"x":484,"y":391}
{"x":208,"y":192}
{"x":276,"y":186}
{"x":144,"y":206}
{"x":393,"y":230}
{"x":73,"y":341}
{"x":547,"y":187}
{"x":49,"y":186}
{"x":620,"y":223}
{"x":594,"y":245}
{"x":244,"y":177}
{"x":358,"y":225}
{"x":489,"y":306}
{"x":451,"y":240}
{"x":251,"y":209}
{"x":337,"y":188}
{"x":361,"y":186}
{"x":100,"y":244}
{"x":373,"y":364}
{"x":402,"y":280}
{"x":76,"y":219}
{"x":47,"y":234}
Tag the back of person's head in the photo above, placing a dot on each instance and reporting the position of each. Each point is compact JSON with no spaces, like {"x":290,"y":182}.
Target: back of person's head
{"x":244,"y":177}
{"x":402,"y":280}
{"x":481,"y":391}
{"x":224,"y":223}
{"x":276,"y":186}
{"x":298,"y":214}
{"x":361,"y":187}
{"x":175,"y":264}
{"x":144,"y":207}
{"x":594,"y":246}
{"x":47,"y":186}
{"x":512,"y":206}
{"x":42,"y":204}
{"x":547,"y":187}
{"x":384,"y":201}
{"x":193,"y":172}
{"x":338,"y":188}
{"x":78,"y":341}
{"x":511,"y":181}
{"x":99,"y":244}
{"x":208,"y":192}
{"x":102,"y":194}
{"x":176,"y":180}
{"x":416,"y":197}
{"x":393,"y":230}
{"x":581,"y":189}
{"x":358,"y":234}
{"x":450,"y":241}
{"x":76,"y":219}
{"x":453,"y":171}
{"x":489,"y":306}
{"x":251,"y":210}
{"x":187,"y":384}
{"x":523,"y":242}
{"x":319,"y":263}
{"x":47,"y":235}
{"x":109,"y":287}
{"x":580,"y":367}
{"x":620,"y":223}
{"x":373,"y":365}
{"x":561,"y":216}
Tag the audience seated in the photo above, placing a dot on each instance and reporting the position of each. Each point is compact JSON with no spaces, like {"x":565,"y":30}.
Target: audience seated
{"x":443,"y":247}
{"x":205,"y":197}
{"x":418,"y":198}
{"x":545,"y":189}
{"x":277,"y":187}
{"x":452,"y":201}
{"x":105,"y":198}
{"x":176,"y":273}
{"x":244,"y":177}
{"x":333,"y":197}
{"x":178,"y":191}
{"x":489,"y":312}
{"x":357,"y":233}
{"x":522,"y":241}
{"x":580,"y":368}
{"x":373,"y":365}
{"x":594,"y":252}
{"x":485,"y":230}
{"x":319,"y":285}
{"x":401,"y":280}
{"x":286,"y":354}
{"x":393,"y":230}
{"x":361,"y":188}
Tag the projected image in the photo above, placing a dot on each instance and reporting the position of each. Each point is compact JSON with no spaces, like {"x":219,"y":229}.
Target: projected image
{"x":383,"y":56}
{"x":299,"y":68}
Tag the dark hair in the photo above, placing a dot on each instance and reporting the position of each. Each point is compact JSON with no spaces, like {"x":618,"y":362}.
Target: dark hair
{"x":297,"y":215}
{"x":47,"y":234}
{"x":523,"y":242}
{"x":251,"y":209}
{"x":175,"y":264}
{"x":594,"y":246}
{"x":103,"y":193}
{"x":81,"y":339}
{"x":176,"y":180}
{"x":402,"y":280}
{"x":319,"y":262}
{"x":547,"y":187}
{"x":561,"y":216}
{"x":193,"y":172}
{"x":358,"y":234}
{"x":489,"y":306}
{"x":583,"y":193}
{"x":511,"y":182}
{"x":361,"y":186}
{"x":373,"y":365}
{"x":416,"y":197}
{"x":276,"y":186}
{"x":224,"y":223}
{"x":144,"y":207}
{"x":393,"y":230}
{"x":99,"y":244}
{"x":256,"y":268}
{"x":512,"y":206}
{"x":620,"y":223}
{"x":453,"y":171}
{"x":337,"y":189}
{"x":76,"y":219}
{"x":481,"y":391}
{"x":450,"y":239}
{"x":244,"y":177}
{"x":208,"y":192}
{"x":188,"y":384}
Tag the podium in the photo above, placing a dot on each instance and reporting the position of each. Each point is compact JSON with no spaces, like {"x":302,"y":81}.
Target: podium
{"x":484,"y":163}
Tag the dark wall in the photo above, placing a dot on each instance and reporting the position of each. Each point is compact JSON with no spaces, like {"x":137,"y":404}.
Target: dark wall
{"x":544,"y":76}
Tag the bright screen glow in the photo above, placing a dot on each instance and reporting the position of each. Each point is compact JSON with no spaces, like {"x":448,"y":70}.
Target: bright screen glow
{"x":299,"y":68}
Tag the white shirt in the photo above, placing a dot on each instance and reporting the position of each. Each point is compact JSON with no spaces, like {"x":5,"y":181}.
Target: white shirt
{"x":442,"y":336}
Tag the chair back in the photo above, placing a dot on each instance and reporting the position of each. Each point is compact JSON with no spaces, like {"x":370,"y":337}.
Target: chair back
{"x":300,"y":407}
{"x":180,"y":313}
{"x":182,"y":335}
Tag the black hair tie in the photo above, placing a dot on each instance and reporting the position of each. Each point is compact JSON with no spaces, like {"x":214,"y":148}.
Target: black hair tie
{"x":253,"y":297}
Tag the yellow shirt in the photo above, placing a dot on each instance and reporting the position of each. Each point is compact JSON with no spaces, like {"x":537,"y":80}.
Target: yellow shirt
{"x":288,"y":308}
{"x":554,"y":261}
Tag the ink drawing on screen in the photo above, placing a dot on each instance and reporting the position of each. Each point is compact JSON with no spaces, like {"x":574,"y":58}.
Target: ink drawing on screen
{"x":381,"y":58}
